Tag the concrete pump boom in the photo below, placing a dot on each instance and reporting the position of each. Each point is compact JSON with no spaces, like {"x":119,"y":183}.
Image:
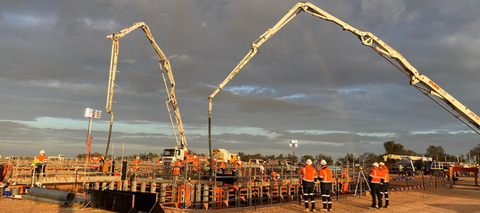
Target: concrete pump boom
{"x":164,"y":62}
{"x":419,"y":81}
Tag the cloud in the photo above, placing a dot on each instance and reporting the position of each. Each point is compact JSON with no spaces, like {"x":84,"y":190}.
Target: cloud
{"x":310,"y":81}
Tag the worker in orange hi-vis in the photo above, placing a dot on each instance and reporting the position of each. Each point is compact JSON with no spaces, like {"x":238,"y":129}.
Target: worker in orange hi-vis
{"x":376,"y":180}
{"x":386,"y":184}
{"x":135,"y":164}
{"x":106,"y":166}
{"x":309,"y":177}
{"x":176,"y":167}
{"x":40,"y":163}
{"x":223,"y":166}
{"x":238,"y":167}
{"x":326,"y":185}
{"x":238,"y":163}
{"x":275,"y":175}
{"x":100,"y":164}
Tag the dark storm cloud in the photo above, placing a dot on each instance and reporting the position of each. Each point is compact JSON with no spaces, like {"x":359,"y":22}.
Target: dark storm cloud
{"x":311,"y":75}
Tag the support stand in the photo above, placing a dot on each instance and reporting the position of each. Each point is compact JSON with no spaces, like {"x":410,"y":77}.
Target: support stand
{"x":360,"y":175}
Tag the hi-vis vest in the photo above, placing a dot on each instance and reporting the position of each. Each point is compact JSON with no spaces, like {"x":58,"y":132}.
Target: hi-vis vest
{"x":309,"y":175}
{"x":376,"y":175}
{"x":385,"y":175}
{"x":325,"y":174}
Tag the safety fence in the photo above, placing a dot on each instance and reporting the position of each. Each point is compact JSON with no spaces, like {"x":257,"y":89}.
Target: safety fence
{"x":207,"y":196}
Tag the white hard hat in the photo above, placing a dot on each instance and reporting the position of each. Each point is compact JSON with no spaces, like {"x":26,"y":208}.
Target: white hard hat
{"x":138,"y":157}
{"x":309,"y":162}
{"x":323,"y":162}
{"x":42,"y":151}
{"x":238,"y":157}
{"x":375,"y":164}
{"x":381,"y":164}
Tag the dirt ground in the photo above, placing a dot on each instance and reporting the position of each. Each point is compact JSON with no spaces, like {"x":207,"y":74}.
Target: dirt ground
{"x":465,"y":197}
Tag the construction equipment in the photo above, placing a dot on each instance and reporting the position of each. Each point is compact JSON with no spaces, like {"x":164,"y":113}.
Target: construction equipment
{"x":419,"y":81}
{"x":222,"y":155}
{"x":406,"y":160}
{"x":178,"y":153}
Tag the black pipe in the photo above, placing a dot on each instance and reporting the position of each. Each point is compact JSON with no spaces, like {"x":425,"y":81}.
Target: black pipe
{"x":52,"y":194}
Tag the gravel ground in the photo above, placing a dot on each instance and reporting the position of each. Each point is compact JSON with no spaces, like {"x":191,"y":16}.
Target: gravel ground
{"x":464,"y":198}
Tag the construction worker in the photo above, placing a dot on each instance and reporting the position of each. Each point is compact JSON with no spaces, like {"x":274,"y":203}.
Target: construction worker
{"x":176,"y":167}
{"x":4,"y":172}
{"x":223,"y":166}
{"x":326,"y":185}
{"x":106,"y":167}
{"x":262,"y":171}
{"x":275,"y":175}
{"x":238,"y":163}
{"x":376,"y":180}
{"x":309,"y":177}
{"x":238,"y":168}
{"x":135,"y":164}
{"x":40,"y":162}
{"x":100,"y":163}
{"x":386,"y":184}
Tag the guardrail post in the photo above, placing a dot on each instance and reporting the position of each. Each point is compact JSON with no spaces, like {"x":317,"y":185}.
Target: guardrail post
{"x":134,"y":186}
{"x":289,"y":193}
{"x":249,"y":195}
{"x":198,"y":194}
{"x":270,"y":192}
{"x":143,"y":187}
{"x":153,"y":187}
{"x":163,"y":192}
{"x":227,"y":196}
{"x":260,"y":195}
{"x":125,"y":185}
{"x":206,"y":191}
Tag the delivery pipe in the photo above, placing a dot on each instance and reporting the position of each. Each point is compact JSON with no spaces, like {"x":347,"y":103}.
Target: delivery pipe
{"x":52,"y":194}
{"x":47,"y":200}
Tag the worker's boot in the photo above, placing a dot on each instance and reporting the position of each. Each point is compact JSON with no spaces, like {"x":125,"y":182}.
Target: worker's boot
{"x":306,"y":210}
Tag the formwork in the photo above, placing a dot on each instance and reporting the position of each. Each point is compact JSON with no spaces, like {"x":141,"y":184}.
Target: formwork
{"x":192,"y":190}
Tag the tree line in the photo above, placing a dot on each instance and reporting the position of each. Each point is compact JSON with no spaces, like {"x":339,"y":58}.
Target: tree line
{"x":435,"y":152}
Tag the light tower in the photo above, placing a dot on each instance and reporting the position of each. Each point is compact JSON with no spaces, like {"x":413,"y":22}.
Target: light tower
{"x":90,"y":113}
{"x":293,"y":144}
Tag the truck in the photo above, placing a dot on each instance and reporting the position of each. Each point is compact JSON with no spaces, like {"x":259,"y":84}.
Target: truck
{"x":224,"y":155}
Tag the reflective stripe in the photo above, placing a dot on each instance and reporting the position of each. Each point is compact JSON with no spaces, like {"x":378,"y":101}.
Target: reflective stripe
{"x":329,"y":202}
{"x":324,"y":201}
{"x":326,"y":174}
{"x":313,"y":201}
{"x":306,"y":201}
{"x":327,"y":195}
{"x":311,"y":194}
{"x":376,"y":175}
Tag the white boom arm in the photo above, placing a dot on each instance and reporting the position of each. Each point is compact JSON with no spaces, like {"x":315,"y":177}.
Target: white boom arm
{"x":419,"y":81}
{"x":164,"y":62}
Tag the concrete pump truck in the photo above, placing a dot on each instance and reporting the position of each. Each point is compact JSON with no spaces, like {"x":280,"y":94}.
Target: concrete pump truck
{"x":170,"y":155}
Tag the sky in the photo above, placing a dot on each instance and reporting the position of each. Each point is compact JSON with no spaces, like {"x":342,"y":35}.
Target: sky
{"x":311,"y":81}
